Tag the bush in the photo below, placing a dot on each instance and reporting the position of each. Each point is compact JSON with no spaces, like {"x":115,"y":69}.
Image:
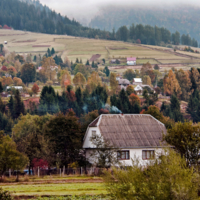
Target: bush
{"x":166,"y":178}
{"x":5,"y":195}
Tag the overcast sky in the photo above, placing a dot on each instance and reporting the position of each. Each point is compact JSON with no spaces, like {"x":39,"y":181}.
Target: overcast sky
{"x":88,"y":8}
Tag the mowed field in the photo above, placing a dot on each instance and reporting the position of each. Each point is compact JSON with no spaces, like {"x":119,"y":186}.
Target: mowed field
{"x":23,"y":42}
{"x":55,"y":186}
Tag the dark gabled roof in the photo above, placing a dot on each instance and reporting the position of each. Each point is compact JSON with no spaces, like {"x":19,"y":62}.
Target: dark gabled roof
{"x":124,"y":82}
{"x":94,"y":123}
{"x":130,"y":130}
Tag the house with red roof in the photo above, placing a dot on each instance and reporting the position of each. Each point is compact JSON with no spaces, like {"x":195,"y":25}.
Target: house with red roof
{"x":131,"y":61}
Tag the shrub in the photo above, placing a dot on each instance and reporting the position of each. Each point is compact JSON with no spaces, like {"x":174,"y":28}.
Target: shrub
{"x":167,"y":177}
{"x":5,"y":195}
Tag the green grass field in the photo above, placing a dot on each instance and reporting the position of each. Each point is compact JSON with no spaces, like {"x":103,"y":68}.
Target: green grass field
{"x":56,"y":189}
{"x":75,"y":47}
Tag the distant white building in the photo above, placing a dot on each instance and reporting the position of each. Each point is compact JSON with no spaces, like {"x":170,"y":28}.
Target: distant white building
{"x":131,"y":61}
{"x":123,"y":83}
{"x":135,"y":135}
{"x":138,"y":89}
{"x":20,"y":88}
{"x":137,"y":81}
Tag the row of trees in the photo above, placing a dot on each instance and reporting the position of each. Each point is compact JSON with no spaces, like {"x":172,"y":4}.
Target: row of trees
{"x":47,"y":21}
{"x":153,"y":35}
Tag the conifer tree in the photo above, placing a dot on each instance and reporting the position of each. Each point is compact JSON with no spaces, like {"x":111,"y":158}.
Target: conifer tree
{"x":1,"y":88}
{"x":48,"y":53}
{"x":11,"y":105}
{"x":87,"y":63}
{"x":18,"y":105}
{"x":77,"y":61}
{"x":175,"y":109}
{"x":52,"y":51}
{"x":123,"y":102}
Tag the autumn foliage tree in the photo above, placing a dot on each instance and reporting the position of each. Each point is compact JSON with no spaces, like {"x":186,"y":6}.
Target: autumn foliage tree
{"x":17,"y":81}
{"x":35,"y":88}
{"x":184,"y":81}
{"x":65,"y":78}
{"x":133,"y":98}
{"x":93,"y":81}
{"x":171,"y":84}
{"x":79,"y":80}
{"x":113,"y":82}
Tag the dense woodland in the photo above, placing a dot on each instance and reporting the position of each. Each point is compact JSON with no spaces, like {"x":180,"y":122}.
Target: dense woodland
{"x":174,"y":17}
{"x":32,"y":16}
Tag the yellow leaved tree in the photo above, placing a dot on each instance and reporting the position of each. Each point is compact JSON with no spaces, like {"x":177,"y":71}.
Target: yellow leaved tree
{"x":171,"y":84}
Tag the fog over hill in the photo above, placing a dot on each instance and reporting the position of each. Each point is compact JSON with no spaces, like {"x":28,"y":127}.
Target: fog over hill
{"x":174,"y":15}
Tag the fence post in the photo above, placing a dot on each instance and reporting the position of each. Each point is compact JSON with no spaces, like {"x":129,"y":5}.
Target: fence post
{"x":9,"y":172}
{"x":81,"y":170}
{"x":63,"y":170}
{"x":38,"y":172}
{"x":60,"y":171}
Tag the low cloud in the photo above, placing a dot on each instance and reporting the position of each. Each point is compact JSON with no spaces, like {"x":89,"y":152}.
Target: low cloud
{"x":84,"y":10}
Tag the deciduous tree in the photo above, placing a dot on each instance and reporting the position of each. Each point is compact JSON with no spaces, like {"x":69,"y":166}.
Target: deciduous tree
{"x":79,"y":80}
{"x":10,"y":158}
{"x":64,"y":135}
{"x":35,"y":88}
{"x":171,"y":85}
{"x":28,"y":73}
{"x":133,"y":98}
{"x":113,"y":82}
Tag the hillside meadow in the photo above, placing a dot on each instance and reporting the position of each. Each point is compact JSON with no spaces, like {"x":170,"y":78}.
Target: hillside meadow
{"x":24,"y":42}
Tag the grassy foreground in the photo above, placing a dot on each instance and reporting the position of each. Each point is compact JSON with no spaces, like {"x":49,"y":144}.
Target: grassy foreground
{"x":56,"y":189}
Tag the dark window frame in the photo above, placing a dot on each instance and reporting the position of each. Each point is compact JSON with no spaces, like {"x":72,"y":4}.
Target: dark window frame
{"x":126,"y":155}
{"x":145,"y":155}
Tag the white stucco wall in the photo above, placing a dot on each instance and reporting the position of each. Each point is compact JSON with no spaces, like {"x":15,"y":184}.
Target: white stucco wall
{"x":131,"y":62}
{"x":134,"y":153}
{"x":87,"y":143}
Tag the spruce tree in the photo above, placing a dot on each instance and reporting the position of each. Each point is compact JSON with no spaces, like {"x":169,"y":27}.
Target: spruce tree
{"x":1,"y":88}
{"x":87,"y":63}
{"x":123,"y":102}
{"x":11,"y":106}
{"x":136,"y":108}
{"x":48,"y":53}
{"x":93,"y":65}
{"x":18,"y":105}
{"x":77,"y":61}
{"x":194,"y":106}
{"x":175,"y":109}
{"x":52,"y":51}
{"x":79,"y":101}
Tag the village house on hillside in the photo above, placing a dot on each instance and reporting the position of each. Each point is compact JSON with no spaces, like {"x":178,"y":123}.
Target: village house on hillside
{"x":137,"y":136}
{"x":123,"y":83}
{"x":131,"y":61}
{"x":137,"y":81}
{"x":140,"y":88}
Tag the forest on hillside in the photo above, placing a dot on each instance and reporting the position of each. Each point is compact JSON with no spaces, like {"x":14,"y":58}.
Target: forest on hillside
{"x":29,"y":15}
{"x":183,"y":19}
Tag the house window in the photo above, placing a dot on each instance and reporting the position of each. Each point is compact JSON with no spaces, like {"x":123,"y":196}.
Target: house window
{"x":93,"y":133}
{"x":123,"y":155}
{"x":148,"y":154}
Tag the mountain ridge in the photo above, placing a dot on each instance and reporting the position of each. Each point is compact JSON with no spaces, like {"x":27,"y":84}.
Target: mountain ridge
{"x":181,"y":18}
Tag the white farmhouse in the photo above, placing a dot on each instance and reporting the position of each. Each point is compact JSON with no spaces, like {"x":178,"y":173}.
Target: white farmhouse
{"x":137,"y":136}
{"x":131,"y":61}
{"x":137,"y":81}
